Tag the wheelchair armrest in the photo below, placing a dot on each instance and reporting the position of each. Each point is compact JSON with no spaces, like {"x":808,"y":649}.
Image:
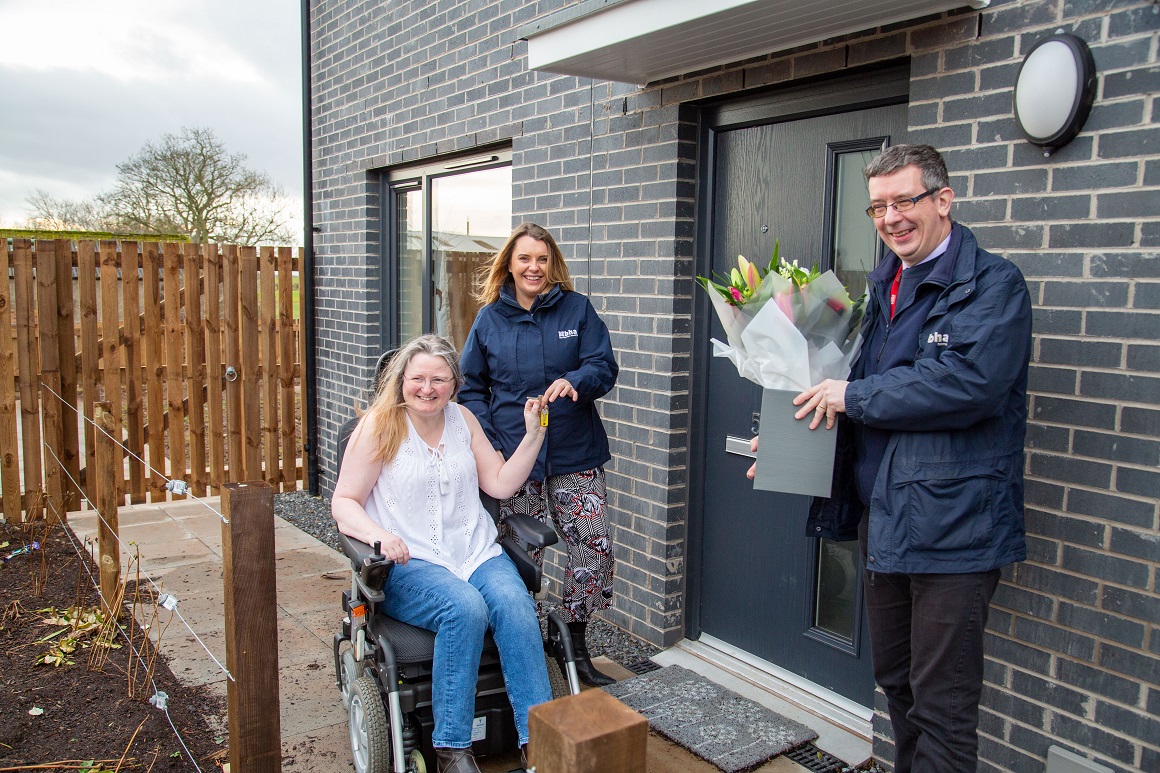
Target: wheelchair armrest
{"x":370,"y":571}
{"x":531,"y":531}
{"x":530,"y":571}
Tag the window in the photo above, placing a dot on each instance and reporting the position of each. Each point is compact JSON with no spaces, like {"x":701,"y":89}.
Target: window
{"x":446,"y":222}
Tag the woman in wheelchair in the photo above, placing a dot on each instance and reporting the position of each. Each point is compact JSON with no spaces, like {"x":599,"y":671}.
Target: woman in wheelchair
{"x":410,"y":479}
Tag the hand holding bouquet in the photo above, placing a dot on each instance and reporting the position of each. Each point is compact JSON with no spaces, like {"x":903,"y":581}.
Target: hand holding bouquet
{"x":788,"y":328}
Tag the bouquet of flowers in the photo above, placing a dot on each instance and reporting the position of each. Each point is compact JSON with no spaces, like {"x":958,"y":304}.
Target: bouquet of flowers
{"x":788,"y":327}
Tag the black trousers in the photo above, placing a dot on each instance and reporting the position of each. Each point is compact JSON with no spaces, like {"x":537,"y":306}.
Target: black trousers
{"x":926,"y":638}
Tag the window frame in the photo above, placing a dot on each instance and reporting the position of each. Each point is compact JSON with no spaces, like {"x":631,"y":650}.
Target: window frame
{"x":407,"y":179}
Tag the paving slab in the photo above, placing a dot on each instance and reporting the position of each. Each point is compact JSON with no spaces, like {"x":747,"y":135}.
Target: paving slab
{"x":180,"y":548}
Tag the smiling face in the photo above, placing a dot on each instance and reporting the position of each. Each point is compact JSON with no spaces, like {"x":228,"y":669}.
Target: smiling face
{"x":529,"y":269}
{"x":428,"y":384}
{"x":911,"y":235}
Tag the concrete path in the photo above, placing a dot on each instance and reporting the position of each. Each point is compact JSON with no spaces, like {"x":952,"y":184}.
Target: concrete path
{"x":180,"y":548}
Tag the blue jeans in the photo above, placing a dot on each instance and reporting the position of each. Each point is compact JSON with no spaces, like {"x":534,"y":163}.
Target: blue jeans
{"x":460,"y":613}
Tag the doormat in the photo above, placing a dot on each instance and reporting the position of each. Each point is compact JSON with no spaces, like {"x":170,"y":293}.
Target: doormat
{"x":714,"y":723}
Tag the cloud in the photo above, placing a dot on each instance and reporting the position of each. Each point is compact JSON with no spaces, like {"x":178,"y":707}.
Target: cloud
{"x":93,"y":82}
{"x":128,"y":40}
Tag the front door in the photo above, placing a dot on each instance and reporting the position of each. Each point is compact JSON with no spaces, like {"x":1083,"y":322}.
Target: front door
{"x":764,"y":586}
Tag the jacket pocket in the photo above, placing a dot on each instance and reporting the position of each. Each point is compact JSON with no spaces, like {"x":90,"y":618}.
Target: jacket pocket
{"x":948,"y":508}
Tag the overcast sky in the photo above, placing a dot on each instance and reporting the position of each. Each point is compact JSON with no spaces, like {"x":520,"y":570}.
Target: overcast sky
{"x":84,"y":84}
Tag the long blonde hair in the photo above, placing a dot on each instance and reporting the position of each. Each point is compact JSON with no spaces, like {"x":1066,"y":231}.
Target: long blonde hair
{"x":386,"y":417}
{"x":498,"y":273}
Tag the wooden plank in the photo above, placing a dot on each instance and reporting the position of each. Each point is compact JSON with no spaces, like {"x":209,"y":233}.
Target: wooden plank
{"x":305,"y":413}
{"x":108,"y":468}
{"x":111,"y":360}
{"x":134,"y":384}
{"x":286,"y":423}
{"x":174,"y":352}
{"x":251,"y":388}
{"x":268,"y":353}
{"x":28,"y":368}
{"x":195,"y":362}
{"x":66,"y":311}
{"x":587,"y":733}
{"x":215,"y":383}
{"x":90,"y":360}
{"x":9,"y":457}
{"x":251,"y":623}
{"x":52,"y":409}
{"x":153,"y":331}
{"x":233,"y":357}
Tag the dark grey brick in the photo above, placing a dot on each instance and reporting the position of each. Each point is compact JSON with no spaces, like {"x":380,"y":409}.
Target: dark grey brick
{"x":1055,"y":638}
{"x":1086,"y":293}
{"x":1083,"y":413}
{"x":1048,"y":691}
{"x":1010,"y":182}
{"x":1144,"y":483}
{"x":1043,"y":493}
{"x":1006,"y":237}
{"x":1065,"y":528}
{"x":1047,"y":208}
{"x":1139,"y":605}
{"x":1119,"y":115}
{"x":1143,"y":357}
{"x":1057,"y":583}
{"x":1091,"y":235}
{"x":1066,"y":351}
{"x":1121,"y":630}
{"x":1117,"y":448}
{"x":1056,"y":321}
{"x":975,"y":107}
{"x":1109,"y":506}
{"x":1131,"y":265}
{"x":1095,"y":176}
{"x":1098,"y":681}
{"x":1143,"y":389}
{"x":1093,"y":737}
{"x":1047,"y":438}
{"x":1123,"y":325}
{"x":1105,"y":566}
{"x":1140,"y":421}
{"x":1128,"y":204}
{"x":1130,"y":144}
{"x":1057,"y":380}
{"x":1146,"y":295}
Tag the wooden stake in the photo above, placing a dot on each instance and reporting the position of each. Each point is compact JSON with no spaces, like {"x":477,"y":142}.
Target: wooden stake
{"x":109,"y":549}
{"x":251,"y":617}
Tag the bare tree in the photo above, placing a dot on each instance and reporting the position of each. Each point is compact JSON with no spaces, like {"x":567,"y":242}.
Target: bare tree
{"x":190,"y":184}
{"x":46,"y":212}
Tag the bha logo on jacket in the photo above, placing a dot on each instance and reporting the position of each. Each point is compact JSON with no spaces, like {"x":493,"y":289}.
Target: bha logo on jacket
{"x":567,"y":334}
{"x":942,"y":339}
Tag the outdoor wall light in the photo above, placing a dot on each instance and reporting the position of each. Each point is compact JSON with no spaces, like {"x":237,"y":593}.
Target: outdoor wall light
{"x":1054,"y":91}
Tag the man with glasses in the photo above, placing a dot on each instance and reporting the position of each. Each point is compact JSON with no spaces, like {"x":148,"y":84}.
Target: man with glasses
{"x":932,"y":482}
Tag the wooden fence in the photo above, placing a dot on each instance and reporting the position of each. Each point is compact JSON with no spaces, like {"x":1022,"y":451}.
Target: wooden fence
{"x":201,"y":359}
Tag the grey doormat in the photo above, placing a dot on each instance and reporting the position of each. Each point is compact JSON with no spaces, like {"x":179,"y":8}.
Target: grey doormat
{"x":716,"y":724}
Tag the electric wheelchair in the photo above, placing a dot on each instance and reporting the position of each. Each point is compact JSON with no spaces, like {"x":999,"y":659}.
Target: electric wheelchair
{"x":383,"y":666}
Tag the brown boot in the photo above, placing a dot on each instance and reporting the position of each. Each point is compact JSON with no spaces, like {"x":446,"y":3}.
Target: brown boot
{"x":456,"y":761}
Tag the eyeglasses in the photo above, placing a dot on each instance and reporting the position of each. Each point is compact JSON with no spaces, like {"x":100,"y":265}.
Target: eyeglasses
{"x":420,"y":382}
{"x":879,"y":210}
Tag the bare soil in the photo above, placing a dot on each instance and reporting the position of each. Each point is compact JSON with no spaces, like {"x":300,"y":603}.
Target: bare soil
{"x":87,"y":715}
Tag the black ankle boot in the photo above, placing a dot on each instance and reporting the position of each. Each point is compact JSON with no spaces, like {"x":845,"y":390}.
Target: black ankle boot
{"x":455,"y":761}
{"x":584,"y":668}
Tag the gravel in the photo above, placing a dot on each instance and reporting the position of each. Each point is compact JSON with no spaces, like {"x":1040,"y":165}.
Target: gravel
{"x":311,"y":514}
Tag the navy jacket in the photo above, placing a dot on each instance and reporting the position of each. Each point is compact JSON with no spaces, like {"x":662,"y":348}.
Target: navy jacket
{"x":513,"y":353}
{"x":948,"y":497}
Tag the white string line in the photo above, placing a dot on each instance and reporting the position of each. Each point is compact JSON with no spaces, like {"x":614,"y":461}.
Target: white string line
{"x":127,"y":450}
{"x":130,"y":551}
{"x":121,"y":629}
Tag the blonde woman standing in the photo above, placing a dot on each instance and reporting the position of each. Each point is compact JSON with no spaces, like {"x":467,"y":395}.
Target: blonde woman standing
{"x":536,"y":336}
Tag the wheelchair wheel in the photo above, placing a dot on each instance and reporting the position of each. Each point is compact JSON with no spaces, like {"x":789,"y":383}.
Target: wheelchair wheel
{"x":370,"y":736}
{"x":416,"y":763}
{"x":350,"y":673}
{"x":556,"y":678}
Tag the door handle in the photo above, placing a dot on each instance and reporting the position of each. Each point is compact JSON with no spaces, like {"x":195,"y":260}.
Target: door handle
{"x":739,"y":446}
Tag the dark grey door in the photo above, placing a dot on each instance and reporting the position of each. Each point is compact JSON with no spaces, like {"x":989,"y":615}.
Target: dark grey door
{"x":765,"y":586}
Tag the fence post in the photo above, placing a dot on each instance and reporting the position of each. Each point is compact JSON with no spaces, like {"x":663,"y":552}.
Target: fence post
{"x":51,"y":409}
{"x":108,"y":546}
{"x":251,"y":616}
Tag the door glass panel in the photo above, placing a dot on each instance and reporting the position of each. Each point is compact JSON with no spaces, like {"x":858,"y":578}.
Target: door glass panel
{"x":837,"y":588}
{"x":409,"y":227}
{"x":855,"y":240}
{"x":471,"y":218}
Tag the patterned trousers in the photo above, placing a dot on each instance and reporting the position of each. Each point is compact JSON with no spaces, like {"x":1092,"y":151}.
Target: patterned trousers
{"x":577,"y":505}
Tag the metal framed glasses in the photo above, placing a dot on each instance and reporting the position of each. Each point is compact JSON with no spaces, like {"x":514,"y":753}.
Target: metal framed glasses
{"x":879,"y":210}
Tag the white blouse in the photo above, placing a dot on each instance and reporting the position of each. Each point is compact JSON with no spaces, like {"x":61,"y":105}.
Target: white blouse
{"x":429,"y":498}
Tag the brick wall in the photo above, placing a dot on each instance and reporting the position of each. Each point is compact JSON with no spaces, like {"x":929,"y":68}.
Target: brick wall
{"x":1073,"y":644}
